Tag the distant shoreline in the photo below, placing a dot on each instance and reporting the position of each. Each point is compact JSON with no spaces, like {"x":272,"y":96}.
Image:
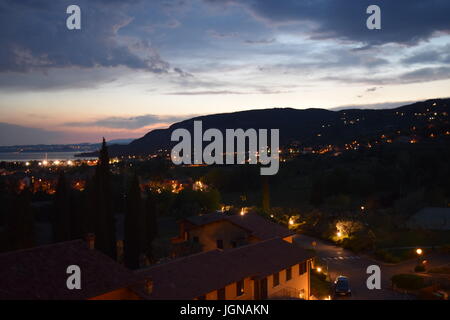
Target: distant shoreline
{"x":40,"y":156}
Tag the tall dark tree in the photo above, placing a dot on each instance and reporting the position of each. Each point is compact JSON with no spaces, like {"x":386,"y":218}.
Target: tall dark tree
{"x":152,"y":209}
{"x":61,"y":224}
{"x":101,"y":203}
{"x":20,"y":222}
{"x":265,"y":195}
{"x":134,"y":225}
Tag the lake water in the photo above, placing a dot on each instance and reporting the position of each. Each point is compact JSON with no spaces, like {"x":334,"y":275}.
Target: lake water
{"x":40,"y":156}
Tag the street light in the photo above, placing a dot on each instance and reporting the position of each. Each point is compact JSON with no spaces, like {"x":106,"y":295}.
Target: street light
{"x":339,"y":234}
{"x":319,"y":269}
{"x":419,"y":253}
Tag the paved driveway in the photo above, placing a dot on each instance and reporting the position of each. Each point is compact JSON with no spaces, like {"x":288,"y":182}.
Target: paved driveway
{"x":344,"y":262}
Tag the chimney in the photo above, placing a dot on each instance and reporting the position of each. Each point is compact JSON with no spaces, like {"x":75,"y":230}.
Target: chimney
{"x":90,"y":240}
{"x":149,"y":286}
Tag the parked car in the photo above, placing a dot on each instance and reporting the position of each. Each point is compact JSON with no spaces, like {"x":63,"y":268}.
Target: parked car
{"x":342,"y":286}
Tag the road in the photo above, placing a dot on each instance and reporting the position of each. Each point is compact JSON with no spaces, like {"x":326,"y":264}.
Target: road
{"x":344,"y":262}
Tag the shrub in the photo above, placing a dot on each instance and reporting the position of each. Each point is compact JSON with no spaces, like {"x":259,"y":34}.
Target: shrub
{"x":408,"y":281}
{"x":419,"y":268}
{"x":386,"y":256}
{"x":445,"y":249}
{"x":443,"y":270}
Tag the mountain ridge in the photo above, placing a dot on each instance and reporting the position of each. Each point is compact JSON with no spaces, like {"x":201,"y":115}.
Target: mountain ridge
{"x":312,"y":126}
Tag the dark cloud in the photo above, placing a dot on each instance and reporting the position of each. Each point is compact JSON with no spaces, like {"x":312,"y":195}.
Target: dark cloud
{"x":403,"y":21}
{"x":226,"y":92}
{"x":33,"y":36}
{"x":426,"y":74}
{"x":130,"y":123}
{"x":429,"y":56}
{"x":416,"y":76}
{"x":261,"y":41}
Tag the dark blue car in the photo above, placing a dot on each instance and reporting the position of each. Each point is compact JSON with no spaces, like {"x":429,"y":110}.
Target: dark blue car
{"x":342,"y":287}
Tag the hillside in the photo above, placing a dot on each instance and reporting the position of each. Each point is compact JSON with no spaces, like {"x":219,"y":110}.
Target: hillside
{"x":309,"y":127}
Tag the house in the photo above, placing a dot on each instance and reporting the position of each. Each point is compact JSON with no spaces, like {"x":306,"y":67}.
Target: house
{"x":41,"y":274}
{"x":431,"y":219}
{"x":268,"y":269}
{"x":223,"y":231}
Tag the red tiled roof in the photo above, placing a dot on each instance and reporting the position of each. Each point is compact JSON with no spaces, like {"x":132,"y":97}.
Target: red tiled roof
{"x":40,"y":273}
{"x":196,"y":275}
{"x":258,"y":226}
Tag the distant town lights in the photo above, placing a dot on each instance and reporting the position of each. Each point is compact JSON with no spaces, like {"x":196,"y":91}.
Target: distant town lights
{"x":419,"y":251}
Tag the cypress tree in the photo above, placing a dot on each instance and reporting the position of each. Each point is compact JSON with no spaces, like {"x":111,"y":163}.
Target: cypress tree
{"x":102,"y":206}
{"x":133,"y":235}
{"x":61,"y":225}
{"x":265,"y":194}
{"x":20,"y":222}
{"x":151,"y":225}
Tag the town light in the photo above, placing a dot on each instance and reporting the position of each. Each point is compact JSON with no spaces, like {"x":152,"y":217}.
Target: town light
{"x":70,"y":162}
{"x":45,"y":162}
{"x":319,"y":269}
{"x":339,"y":234}
{"x":419,"y":251}
{"x":291,"y":222}
{"x":363,"y":208}
{"x":242,"y":212}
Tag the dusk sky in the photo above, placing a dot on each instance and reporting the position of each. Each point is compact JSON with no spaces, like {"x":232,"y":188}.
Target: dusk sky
{"x":137,"y":65}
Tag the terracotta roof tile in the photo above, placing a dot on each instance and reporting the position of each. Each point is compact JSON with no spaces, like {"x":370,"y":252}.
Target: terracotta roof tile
{"x":40,"y":273}
{"x":258,"y":226}
{"x":196,"y":275}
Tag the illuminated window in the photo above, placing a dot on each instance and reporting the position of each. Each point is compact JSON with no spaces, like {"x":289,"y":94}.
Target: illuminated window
{"x":240,"y":288}
{"x":276,"y":279}
{"x":288,"y":274}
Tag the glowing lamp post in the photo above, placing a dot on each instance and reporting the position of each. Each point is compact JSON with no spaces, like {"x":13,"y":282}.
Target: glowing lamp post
{"x":419,"y":253}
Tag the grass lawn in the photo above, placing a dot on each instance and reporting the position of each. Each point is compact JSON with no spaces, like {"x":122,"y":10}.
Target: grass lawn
{"x":441,"y":270}
{"x":407,"y":238}
{"x":395,"y":255}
